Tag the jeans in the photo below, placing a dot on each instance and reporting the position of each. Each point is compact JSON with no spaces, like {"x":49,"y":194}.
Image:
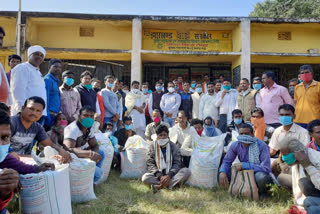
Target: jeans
{"x":223,"y":123}
{"x":109,"y":119}
{"x":169,"y":120}
{"x":98,"y":171}
{"x":312,"y":205}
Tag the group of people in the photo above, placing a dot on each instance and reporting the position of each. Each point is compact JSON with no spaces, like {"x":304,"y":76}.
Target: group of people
{"x":266,"y":123}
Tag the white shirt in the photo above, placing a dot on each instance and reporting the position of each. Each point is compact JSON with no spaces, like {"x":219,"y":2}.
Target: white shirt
{"x":207,"y":106}
{"x":170,"y":103}
{"x":258,"y":99}
{"x":295,"y":131}
{"x":26,"y":81}
{"x":180,"y":136}
{"x":196,"y":102}
{"x":9,"y":100}
{"x":228,"y":103}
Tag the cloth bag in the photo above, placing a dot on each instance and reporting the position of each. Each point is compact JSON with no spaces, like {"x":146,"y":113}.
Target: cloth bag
{"x":205,"y":159}
{"x":105,"y":145}
{"x":243,"y":184}
{"x":134,"y":158}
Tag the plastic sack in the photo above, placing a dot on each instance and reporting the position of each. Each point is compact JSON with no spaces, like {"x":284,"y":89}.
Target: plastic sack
{"x":133,"y":159}
{"x":81,"y":179}
{"x":105,"y":145}
{"x":205,"y":159}
{"x":46,"y":192}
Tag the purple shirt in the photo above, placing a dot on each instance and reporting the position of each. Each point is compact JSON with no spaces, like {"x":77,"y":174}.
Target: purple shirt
{"x":271,"y":99}
{"x":11,"y":162}
{"x":238,"y":149}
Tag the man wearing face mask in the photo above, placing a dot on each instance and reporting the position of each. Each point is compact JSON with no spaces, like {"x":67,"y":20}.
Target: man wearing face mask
{"x":164,"y":163}
{"x":253,"y":154}
{"x":52,"y":87}
{"x":27,"y":81}
{"x":237,"y":121}
{"x":307,"y":97}
{"x":180,"y":132}
{"x":70,"y":97}
{"x":257,"y":85}
{"x":136,"y":103}
{"x":147,"y":95}
{"x":186,"y":100}
{"x":207,"y":105}
{"x":193,"y":86}
{"x":79,"y":139}
{"x":292,"y":86}
{"x":196,"y":96}
{"x":169,"y":104}
{"x":226,"y":101}
{"x":155,"y":98}
{"x":123,"y":134}
{"x":121,"y":102}
{"x":157,"y":121}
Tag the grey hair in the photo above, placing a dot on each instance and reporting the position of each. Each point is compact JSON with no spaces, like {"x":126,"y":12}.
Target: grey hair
{"x":292,"y":144}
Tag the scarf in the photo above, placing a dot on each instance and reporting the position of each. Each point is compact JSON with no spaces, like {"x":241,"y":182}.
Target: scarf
{"x":259,"y":127}
{"x":210,"y":131}
{"x":130,"y":100}
{"x":254,"y":152}
{"x":160,"y":162}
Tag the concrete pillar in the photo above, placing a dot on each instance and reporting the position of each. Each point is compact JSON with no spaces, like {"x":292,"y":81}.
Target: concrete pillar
{"x":136,"y":50}
{"x":245,"y":49}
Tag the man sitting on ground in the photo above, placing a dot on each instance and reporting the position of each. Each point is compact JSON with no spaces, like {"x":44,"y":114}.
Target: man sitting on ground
{"x":253,"y":155}
{"x":164,"y":163}
{"x":123,"y":134}
{"x":117,"y":149}
{"x":151,"y":128}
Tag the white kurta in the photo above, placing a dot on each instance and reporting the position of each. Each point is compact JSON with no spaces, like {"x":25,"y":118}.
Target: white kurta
{"x":207,"y":106}
{"x":196,"y":102}
{"x":228,"y":103}
{"x":138,"y":119}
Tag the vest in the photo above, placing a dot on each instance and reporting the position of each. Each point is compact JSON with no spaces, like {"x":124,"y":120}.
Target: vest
{"x":156,"y":98}
{"x":246,"y":104}
{"x":88,"y":97}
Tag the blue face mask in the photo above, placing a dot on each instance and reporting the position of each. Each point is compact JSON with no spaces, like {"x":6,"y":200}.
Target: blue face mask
{"x":285,"y":120}
{"x":227,"y":87}
{"x":199,"y":90}
{"x":88,"y":86}
{"x":238,"y":121}
{"x":110,"y":85}
{"x":87,"y":122}
{"x":257,"y":86}
{"x":193,"y":85}
{"x":128,"y":127}
{"x":4,"y":149}
{"x":159,"y":88}
{"x":145,"y":91}
{"x":69,"y":81}
{"x":289,"y":158}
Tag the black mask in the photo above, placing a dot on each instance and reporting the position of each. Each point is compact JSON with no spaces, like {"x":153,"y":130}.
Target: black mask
{"x":96,"y":89}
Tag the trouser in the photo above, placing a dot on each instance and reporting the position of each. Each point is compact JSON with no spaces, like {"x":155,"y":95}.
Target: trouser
{"x":98,"y":171}
{"x":169,"y":120}
{"x":109,"y":119}
{"x":308,"y":188}
{"x":223,"y":123}
{"x":312,"y":205}
{"x":274,"y":125}
{"x":179,"y":178}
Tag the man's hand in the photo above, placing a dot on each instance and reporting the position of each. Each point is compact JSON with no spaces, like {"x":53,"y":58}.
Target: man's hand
{"x":238,"y":166}
{"x":9,"y":182}
{"x":223,"y":179}
{"x":302,"y":158}
{"x":120,"y":148}
{"x":224,"y":92}
{"x":45,"y":167}
{"x":15,"y":155}
{"x":165,"y":181}
{"x":95,"y":156}
{"x":66,"y":157}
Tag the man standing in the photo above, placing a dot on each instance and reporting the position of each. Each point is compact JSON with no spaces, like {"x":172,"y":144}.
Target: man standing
{"x":205,"y":83}
{"x":217,"y":87}
{"x":146,"y":94}
{"x":87,"y":94}
{"x":186,"y":100}
{"x":272,"y":96}
{"x":96,"y":86}
{"x":227,"y":100}
{"x":135,"y":103}
{"x":111,"y":103}
{"x":180,"y":82}
{"x":120,"y":97}
{"x":155,"y":98}
{"x":307,"y":96}
{"x":151,"y":128}
{"x":169,"y":104}
{"x":27,"y":81}
{"x":292,"y":86}
{"x":53,"y":94}
{"x":70,"y":97}
{"x":257,"y":85}
{"x":5,"y":95}
{"x":193,"y":86}
{"x":207,"y":105}
{"x":196,"y":96}
{"x":13,"y":60}
{"x":246,"y":99}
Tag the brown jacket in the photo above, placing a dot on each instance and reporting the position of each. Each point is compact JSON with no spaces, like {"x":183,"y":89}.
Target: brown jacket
{"x":246,"y":103}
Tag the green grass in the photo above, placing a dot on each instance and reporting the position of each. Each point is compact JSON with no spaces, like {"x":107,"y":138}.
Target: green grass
{"x":131,"y":196}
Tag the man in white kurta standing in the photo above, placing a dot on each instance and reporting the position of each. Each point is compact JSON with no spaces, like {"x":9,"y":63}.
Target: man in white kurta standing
{"x":135,"y":103}
{"x":196,"y":96}
{"x":27,"y":81}
{"x":207,"y":105}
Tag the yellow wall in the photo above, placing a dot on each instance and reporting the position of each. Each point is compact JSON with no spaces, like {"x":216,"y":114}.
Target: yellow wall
{"x":236,"y":62}
{"x":264,"y":37}
{"x":236,"y":38}
{"x":285,"y":59}
{"x":64,"y":33}
{"x":9,"y":26}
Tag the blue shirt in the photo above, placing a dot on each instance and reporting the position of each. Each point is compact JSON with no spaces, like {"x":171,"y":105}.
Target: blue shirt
{"x":53,"y":93}
{"x":111,"y":103}
{"x":238,"y":149}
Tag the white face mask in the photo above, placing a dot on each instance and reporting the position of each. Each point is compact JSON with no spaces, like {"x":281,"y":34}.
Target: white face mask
{"x":163,"y":142}
{"x":135,"y":90}
{"x":171,"y":90}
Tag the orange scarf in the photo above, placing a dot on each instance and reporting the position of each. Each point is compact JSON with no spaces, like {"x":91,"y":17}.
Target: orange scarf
{"x":259,"y":127}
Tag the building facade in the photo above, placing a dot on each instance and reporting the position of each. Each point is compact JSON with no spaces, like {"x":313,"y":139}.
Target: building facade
{"x":148,"y":48}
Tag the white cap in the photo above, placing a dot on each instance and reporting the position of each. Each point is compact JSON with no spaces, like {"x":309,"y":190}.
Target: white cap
{"x":36,"y":48}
